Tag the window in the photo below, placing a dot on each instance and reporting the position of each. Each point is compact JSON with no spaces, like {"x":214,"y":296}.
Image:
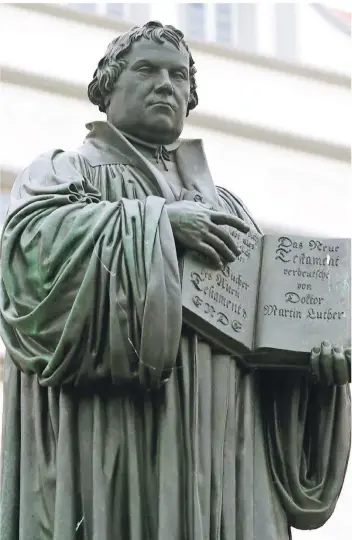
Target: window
{"x":134,"y":12}
{"x":84,"y":7}
{"x":194,"y":21}
{"x":115,"y":10}
{"x":229,"y":24}
{"x":223,"y":24}
{"x":286,"y":31}
{"x":246,"y":27}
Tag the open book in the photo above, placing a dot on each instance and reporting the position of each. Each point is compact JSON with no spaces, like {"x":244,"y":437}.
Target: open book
{"x":282,"y":296}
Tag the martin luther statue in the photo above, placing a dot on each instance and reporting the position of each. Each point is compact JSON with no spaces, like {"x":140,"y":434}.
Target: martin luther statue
{"x":120,"y":423}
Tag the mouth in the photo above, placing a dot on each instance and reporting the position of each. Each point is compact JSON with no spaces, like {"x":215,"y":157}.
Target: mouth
{"x":163,"y":104}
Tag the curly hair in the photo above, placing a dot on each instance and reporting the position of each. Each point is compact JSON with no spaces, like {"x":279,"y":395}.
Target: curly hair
{"x":112,"y":64}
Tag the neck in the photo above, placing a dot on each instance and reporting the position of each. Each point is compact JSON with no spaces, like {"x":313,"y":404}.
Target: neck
{"x":151,"y":145}
{"x":158,"y":152}
{"x":142,"y":142}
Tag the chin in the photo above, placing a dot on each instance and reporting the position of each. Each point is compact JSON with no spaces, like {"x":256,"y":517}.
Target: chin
{"x":163,"y":133}
{"x":163,"y":126}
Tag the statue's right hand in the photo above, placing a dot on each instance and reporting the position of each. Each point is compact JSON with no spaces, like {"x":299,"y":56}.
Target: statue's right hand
{"x":197,"y":227}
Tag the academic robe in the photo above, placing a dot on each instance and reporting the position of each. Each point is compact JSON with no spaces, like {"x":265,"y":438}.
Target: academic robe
{"x":119,"y":422}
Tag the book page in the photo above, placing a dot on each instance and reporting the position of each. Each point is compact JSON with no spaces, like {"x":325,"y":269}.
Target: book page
{"x":304,"y":295}
{"x":226,"y":299}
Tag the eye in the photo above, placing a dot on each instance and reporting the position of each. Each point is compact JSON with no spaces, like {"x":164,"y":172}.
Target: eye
{"x":179,"y":76}
{"x":146,"y":70}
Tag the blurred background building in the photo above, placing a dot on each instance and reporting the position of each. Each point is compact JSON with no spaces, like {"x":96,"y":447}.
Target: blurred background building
{"x":274,"y":88}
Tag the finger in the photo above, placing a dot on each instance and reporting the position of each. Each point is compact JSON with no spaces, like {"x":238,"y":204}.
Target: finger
{"x":221,"y":218}
{"x":226,"y":238}
{"x":220,"y":247}
{"x":326,"y":362}
{"x":210,"y":254}
{"x":315,"y":363}
{"x":340,"y":367}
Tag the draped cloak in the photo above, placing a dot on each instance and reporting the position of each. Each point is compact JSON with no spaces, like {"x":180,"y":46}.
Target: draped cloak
{"x":119,"y":422}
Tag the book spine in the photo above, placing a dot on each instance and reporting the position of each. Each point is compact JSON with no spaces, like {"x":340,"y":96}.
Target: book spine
{"x":256,"y":320}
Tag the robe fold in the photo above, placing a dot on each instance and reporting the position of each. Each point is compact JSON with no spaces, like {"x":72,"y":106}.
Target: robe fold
{"x":120,"y":423}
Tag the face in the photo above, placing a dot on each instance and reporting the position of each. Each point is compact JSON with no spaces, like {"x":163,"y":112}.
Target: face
{"x":151,"y":95}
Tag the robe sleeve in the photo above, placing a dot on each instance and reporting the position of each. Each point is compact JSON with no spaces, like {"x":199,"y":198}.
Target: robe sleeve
{"x":90,"y":289}
{"x":307,"y":429}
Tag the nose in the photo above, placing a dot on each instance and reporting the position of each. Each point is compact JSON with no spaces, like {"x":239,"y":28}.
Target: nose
{"x":163,"y":84}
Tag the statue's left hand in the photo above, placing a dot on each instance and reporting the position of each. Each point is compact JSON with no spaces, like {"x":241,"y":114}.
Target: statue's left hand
{"x":331,"y":365}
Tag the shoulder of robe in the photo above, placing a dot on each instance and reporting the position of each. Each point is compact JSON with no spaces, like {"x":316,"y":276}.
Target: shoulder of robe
{"x":61,"y":160}
{"x":53,"y":167}
{"x":58,"y":158}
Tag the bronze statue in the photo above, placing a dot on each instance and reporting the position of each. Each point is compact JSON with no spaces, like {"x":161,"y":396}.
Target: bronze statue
{"x":119,"y":421}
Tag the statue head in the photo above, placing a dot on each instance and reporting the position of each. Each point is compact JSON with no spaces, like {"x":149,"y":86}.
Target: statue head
{"x":145,"y":83}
